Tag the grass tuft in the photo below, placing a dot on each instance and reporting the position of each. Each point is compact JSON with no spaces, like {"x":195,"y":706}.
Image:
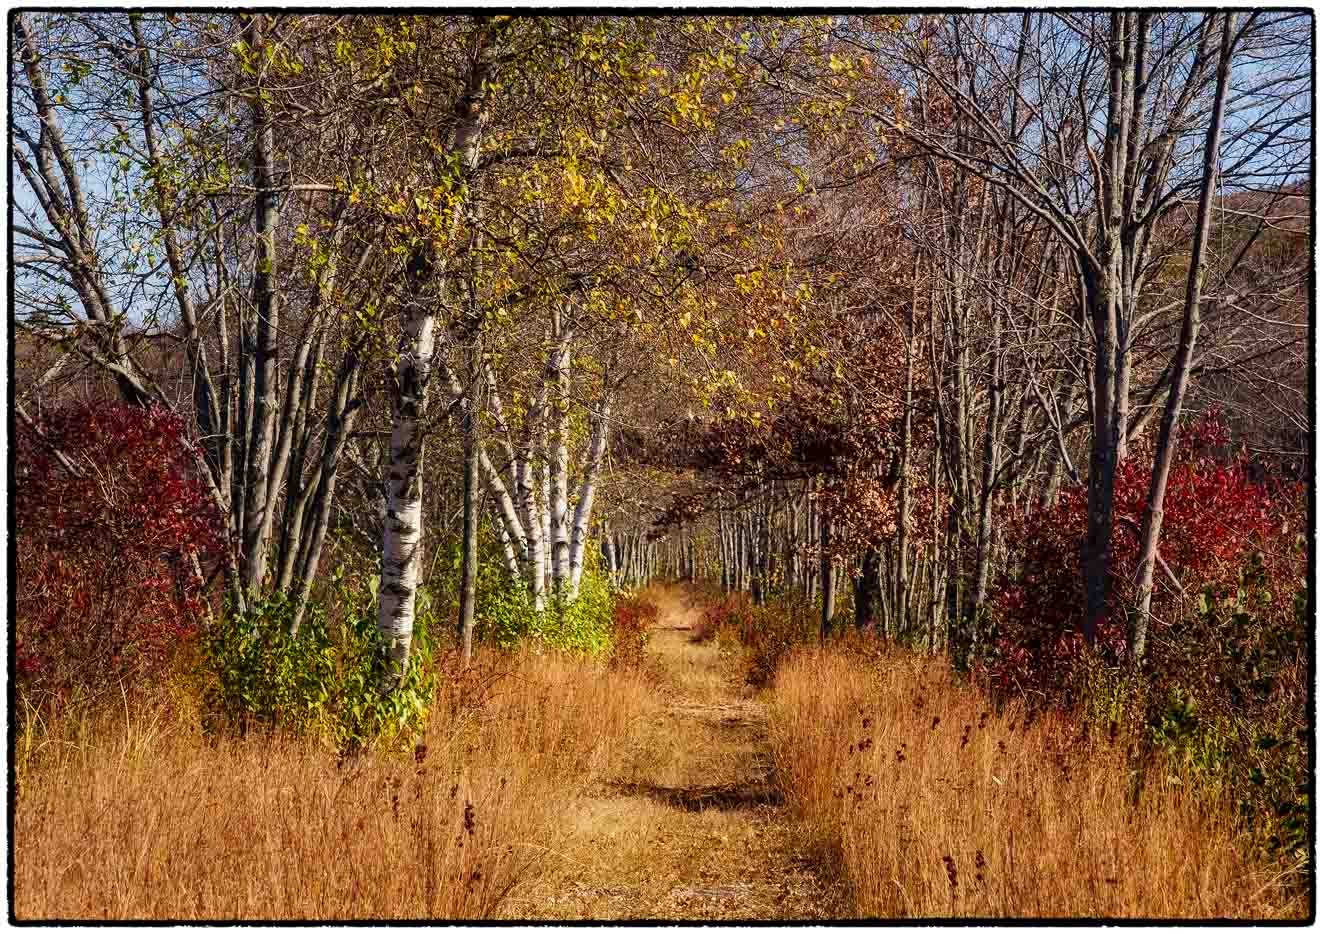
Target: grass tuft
{"x":139,"y":819}
{"x":938,"y":806}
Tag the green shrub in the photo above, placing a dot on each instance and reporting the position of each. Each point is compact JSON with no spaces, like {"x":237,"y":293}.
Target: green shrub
{"x":1222,"y":704}
{"x":506,"y":616}
{"x":583,"y":625}
{"x":263,"y":676}
{"x":1233,"y":706}
{"x":325,"y":678}
{"x":505,"y":613}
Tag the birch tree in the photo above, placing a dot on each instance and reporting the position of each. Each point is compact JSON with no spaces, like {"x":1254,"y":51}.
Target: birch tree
{"x":131,"y":239}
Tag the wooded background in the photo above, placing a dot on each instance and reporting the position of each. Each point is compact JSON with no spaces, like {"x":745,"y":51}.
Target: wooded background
{"x":832,"y":305}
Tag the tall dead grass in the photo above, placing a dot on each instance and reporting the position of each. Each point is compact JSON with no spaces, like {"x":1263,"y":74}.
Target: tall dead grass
{"x":146,"y":818}
{"x":938,"y":807}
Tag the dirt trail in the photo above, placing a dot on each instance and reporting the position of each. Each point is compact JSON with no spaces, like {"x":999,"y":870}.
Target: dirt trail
{"x":690,"y":826}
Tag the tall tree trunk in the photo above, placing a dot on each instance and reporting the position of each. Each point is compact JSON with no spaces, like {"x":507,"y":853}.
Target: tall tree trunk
{"x":1102,"y":466}
{"x":1190,"y":321}
{"x":587,"y":491}
{"x":468,"y":590}
{"x":752,"y":534}
{"x":403,"y":527}
{"x":266,"y":328}
{"x":810,"y":537}
{"x":938,"y":564}
{"x":765,"y":557}
{"x":340,"y":422}
{"x":983,"y":542}
{"x":609,"y":559}
{"x":560,"y":457}
{"x":868,"y":590}
{"x":545,"y":506}
{"x":526,"y":489}
{"x":723,"y":548}
{"x":826,"y":573}
{"x":1104,"y":285}
{"x":906,"y":434}
{"x":403,"y":534}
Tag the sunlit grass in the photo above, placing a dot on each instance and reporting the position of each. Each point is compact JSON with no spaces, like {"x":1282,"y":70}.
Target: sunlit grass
{"x":140,"y":816}
{"x":937,"y":806}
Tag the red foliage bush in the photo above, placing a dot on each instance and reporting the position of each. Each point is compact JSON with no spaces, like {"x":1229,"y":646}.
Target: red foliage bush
{"x":106,"y":540}
{"x":734,"y":610}
{"x":768,"y":633}
{"x":1215,"y":515}
{"x":633,"y":617}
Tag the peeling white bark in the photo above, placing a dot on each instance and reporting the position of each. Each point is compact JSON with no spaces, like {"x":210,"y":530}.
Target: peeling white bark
{"x":402,"y":539}
{"x":544,"y":505}
{"x":402,"y":536}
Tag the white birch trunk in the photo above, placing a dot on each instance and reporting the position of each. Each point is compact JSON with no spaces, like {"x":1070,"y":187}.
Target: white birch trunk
{"x":558,"y":442}
{"x":512,"y":528}
{"x":608,"y":550}
{"x":587,"y":491}
{"x":512,"y":563}
{"x":545,"y":518}
{"x":534,"y":528}
{"x":402,"y":536}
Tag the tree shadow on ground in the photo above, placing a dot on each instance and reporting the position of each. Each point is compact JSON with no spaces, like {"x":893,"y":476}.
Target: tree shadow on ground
{"x":726,"y":797}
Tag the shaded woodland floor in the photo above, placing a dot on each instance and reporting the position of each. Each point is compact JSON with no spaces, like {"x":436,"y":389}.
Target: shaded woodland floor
{"x":690,"y":824}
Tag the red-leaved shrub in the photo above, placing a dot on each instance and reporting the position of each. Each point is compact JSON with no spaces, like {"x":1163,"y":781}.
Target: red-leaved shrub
{"x":725,"y":610}
{"x":110,"y":518}
{"x":733,"y":609}
{"x":1215,"y":516}
{"x":633,"y":616}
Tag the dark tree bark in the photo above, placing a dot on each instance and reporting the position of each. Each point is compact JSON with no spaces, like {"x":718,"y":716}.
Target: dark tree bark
{"x":868,"y":591}
{"x":827,"y":573}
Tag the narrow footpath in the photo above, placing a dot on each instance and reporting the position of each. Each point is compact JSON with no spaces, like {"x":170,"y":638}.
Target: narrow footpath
{"x":690,"y":826}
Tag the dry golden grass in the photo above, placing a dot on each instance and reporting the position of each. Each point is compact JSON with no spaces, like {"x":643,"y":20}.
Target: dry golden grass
{"x":149,"y":819}
{"x":939,"y":808}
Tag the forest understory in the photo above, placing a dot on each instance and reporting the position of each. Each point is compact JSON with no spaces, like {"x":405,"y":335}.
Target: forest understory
{"x":547,"y":788}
